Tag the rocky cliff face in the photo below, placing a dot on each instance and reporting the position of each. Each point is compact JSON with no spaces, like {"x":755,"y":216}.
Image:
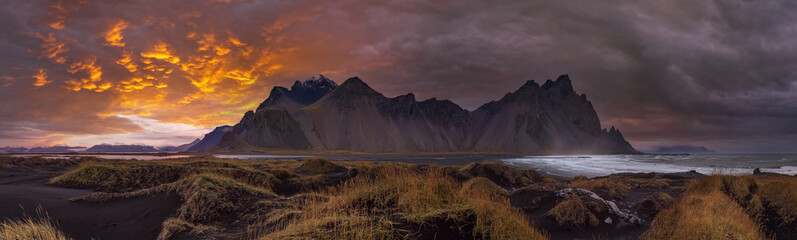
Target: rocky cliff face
{"x":319,"y":115}
{"x":548,"y":118}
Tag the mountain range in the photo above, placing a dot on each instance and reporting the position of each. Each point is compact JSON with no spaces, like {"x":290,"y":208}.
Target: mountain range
{"x":121,"y":148}
{"x":318,"y":115}
{"x":682,"y":149}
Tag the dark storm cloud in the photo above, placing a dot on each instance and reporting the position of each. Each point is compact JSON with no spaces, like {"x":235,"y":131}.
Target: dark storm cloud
{"x":716,"y":73}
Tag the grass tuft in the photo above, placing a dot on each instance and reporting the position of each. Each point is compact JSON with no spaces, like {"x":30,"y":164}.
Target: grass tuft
{"x":614,"y":187}
{"x":571,"y":213}
{"x":29,"y":228}
{"x":483,"y":185}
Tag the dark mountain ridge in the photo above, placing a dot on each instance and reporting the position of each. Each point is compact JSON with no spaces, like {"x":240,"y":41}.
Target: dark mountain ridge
{"x":210,"y":140}
{"x":121,"y":148}
{"x":318,"y":115}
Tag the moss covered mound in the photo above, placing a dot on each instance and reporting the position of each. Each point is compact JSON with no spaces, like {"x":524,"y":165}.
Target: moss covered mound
{"x":483,"y":185}
{"x":319,"y":166}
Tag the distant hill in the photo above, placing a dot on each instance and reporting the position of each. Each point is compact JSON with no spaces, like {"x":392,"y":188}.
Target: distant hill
{"x":181,"y":148}
{"x":56,"y":149}
{"x":13,"y":149}
{"x":319,"y":115}
{"x":121,"y":148}
{"x":185,"y":147}
{"x":682,"y":149}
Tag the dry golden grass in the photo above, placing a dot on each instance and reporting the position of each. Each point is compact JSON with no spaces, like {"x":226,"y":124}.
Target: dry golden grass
{"x":30,"y":229}
{"x":483,"y":185}
{"x":780,"y":194}
{"x":657,"y":202}
{"x":296,"y":200}
{"x":704,"y":216}
{"x":614,"y":186}
{"x":173,"y":226}
{"x":406,"y":204}
{"x":571,"y":213}
{"x":708,"y":211}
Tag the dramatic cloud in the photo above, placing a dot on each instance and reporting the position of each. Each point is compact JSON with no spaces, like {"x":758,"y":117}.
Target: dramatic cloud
{"x":714,"y":73}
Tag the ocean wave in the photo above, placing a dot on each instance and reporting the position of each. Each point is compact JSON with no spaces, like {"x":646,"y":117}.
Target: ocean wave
{"x":601,"y":165}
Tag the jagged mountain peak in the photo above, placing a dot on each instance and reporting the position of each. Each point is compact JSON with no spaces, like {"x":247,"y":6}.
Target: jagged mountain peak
{"x":562,"y":83}
{"x":314,"y":84}
{"x":302,"y":92}
{"x":276,"y":94}
{"x":353,"y":88}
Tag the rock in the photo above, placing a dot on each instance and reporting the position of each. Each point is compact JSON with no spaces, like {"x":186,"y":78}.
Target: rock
{"x":625,"y":216}
{"x":608,"y":220}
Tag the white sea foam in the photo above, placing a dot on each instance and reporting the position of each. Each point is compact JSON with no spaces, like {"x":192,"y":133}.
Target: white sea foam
{"x":601,"y":165}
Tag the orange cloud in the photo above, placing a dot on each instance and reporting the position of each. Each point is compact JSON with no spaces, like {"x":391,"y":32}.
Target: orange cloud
{"x":113,"y":36}
{"x":41,"y":78}
{"x":161,"y":52}
{"x":91,"y":76}
{"x":127,"y":62}
{"x":51,"y":48}
{"x":57,"y":14}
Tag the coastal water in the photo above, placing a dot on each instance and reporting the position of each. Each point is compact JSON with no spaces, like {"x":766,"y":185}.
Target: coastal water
{"x":559,"y":165}
{"x":596,"y":165}
{"x":600,"y":165}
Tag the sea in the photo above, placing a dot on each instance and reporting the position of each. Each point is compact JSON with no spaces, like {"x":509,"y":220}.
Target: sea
{"x":557,"y":165}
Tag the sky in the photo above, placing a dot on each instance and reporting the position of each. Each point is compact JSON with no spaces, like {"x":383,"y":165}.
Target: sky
{"x":720,"y":74}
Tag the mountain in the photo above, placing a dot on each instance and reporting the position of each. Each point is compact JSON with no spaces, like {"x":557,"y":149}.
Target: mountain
{"x":210,"y":140}
{"x":319,"y":115}
{"x":121,"y":148}
{"x":181,"y":148}
{"x":8,"y":149}
{"x":682,"y":149}
{"x":56,"y":149}
{"x":185,"y":147}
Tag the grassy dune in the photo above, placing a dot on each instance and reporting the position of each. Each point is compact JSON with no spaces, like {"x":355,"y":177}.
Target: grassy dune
{"x":732,"y":207}
{"x":405,"y":204}
{"x":316,"y":198}
{"x":319,"y":199}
